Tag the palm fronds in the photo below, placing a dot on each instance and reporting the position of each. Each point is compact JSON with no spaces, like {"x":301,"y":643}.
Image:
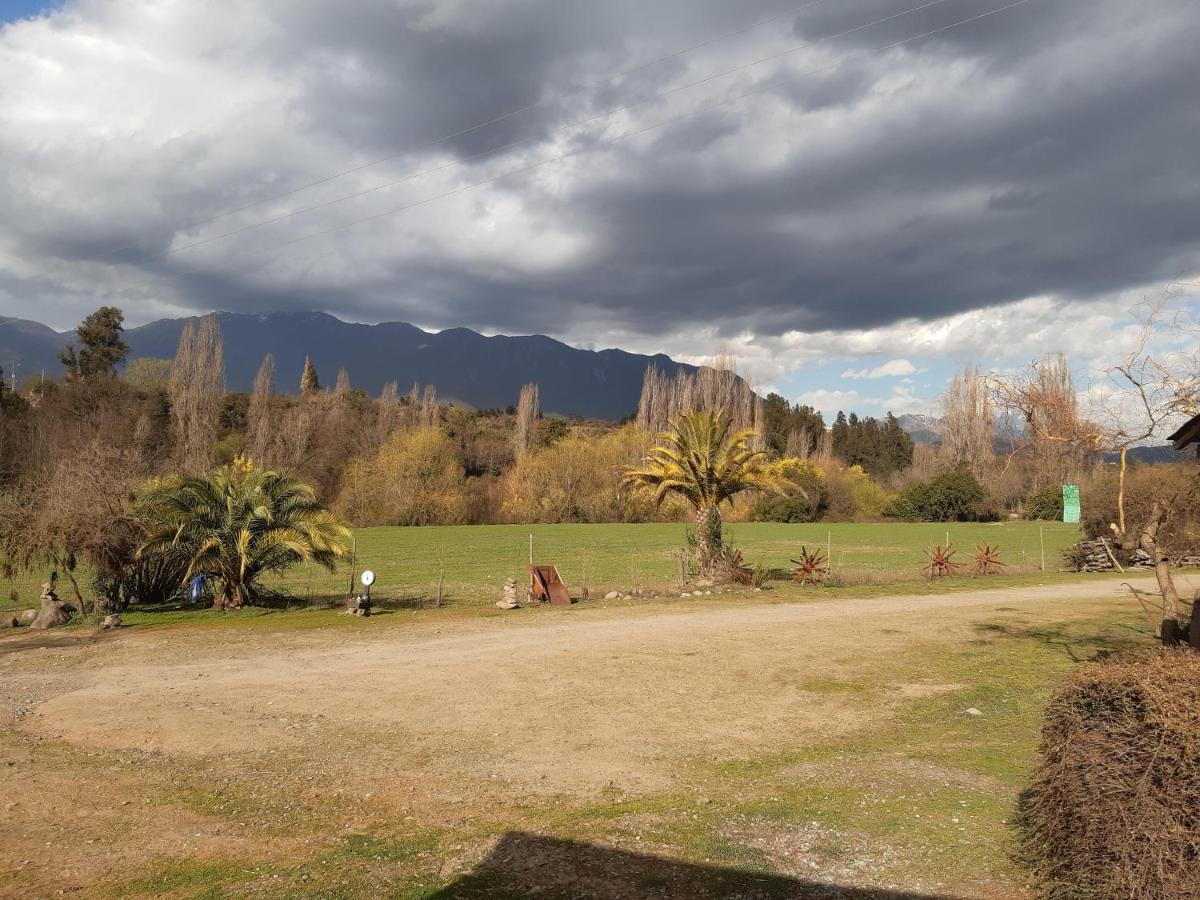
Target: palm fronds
{"x":703,"y":462}
{"x":240,"y":523}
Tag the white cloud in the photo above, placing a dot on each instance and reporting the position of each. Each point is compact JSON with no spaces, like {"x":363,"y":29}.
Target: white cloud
{"x":900,"y":401}
{"x":894,"y":368}
{"x":106,"y":142}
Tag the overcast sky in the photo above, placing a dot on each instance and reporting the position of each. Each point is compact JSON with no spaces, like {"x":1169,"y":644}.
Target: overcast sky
{"x":851,"y":211}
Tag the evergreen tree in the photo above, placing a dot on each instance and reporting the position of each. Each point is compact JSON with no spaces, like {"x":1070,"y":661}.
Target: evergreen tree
{"x":880,"y":449}
{"x":308,"y":381}
{"x":840,"y":433}
{"x":101,"y":346}
{"x":781,"y":419}
{"x":776,"y":413}
{"x":898,"y":444}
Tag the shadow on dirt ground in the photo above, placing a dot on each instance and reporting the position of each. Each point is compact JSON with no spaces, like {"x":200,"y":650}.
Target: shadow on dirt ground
{"x":1075,"y":645}
{"x":525,"y":865}
{"x":17,"y":641}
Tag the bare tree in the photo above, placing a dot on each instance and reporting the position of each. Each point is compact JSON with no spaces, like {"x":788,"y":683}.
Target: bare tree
{"x":196,"y":386}
{"x":968,"y":426}
{"x":294,"y":436}
{"x":800,"y":443}
{"x":714,"y":385}
{"x":527,"y":414}
{"x":1054,"y":435}
{"x":1143,"y":393}
{"x":309,"y":383}
{"x":391,"y":412}
{"x":343,"y":382}
{"x":259,"y":415}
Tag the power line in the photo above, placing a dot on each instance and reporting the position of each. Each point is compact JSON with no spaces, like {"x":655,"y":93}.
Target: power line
{"x":461,"y":161}
{"x":635,"y":133}
{"x":587,"y":86}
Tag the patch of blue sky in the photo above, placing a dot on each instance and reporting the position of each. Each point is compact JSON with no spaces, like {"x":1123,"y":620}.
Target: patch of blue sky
{"x":14,"y":10}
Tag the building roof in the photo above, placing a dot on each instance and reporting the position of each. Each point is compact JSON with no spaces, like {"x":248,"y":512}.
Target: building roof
{"x":1188,"y":433}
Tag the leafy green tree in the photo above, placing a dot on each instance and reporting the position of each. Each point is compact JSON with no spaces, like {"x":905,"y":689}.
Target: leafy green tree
{"x":781,"y":420}
{"x":240,"y":523}
{"x":553,"y":430}
{"x":879,"y":449}
{"x":101,"y":347}
{"x":896,"y":445}
{"x":1045,"y":504}
{"x":953,"y":496}
{"x":707,"y":464}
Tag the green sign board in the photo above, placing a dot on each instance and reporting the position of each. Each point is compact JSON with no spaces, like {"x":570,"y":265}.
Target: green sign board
{"x":1071,"y":503}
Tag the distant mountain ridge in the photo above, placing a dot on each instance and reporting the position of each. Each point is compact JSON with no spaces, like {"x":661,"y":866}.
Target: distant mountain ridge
{"x":927,"y":430}
{"x":484,"y":372}
{"x":922,"y":429}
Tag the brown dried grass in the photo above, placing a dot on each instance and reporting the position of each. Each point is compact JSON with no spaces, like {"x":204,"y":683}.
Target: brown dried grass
{"x":1114,"y":808}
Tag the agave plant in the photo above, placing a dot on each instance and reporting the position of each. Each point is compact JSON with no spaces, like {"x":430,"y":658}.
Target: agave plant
{"x":739,"y":570}
{"x":940,"y":562}
{"x":986,"y":560}
{"x":811,"y":566}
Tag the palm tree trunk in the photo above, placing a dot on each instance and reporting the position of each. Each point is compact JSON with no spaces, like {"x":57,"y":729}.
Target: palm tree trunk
{"x":708,"y":539}
{"x":230,"y":596}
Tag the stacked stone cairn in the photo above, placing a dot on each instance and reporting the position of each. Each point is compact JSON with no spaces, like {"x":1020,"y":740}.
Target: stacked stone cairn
{"x":53,"y":612}
{"x":508,"y":598}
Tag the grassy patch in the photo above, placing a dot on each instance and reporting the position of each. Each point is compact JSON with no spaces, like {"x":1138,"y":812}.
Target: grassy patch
{"x":866,"y":557}
{"x":929,"y":791}
{"x":194,"y":878}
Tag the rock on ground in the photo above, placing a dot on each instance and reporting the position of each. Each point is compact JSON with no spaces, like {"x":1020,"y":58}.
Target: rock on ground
{"x":52,"y":614}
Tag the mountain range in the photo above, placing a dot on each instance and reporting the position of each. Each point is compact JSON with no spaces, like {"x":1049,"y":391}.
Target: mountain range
{"x":928,"y":430}
{"x":473,"y":369}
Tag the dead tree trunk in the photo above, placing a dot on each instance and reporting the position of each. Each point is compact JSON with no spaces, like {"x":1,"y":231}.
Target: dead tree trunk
{"x":1169,"y":632}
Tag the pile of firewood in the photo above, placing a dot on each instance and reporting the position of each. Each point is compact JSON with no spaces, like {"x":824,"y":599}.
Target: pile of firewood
{"x":1091,"y":556}
{"x":1097,"y":556}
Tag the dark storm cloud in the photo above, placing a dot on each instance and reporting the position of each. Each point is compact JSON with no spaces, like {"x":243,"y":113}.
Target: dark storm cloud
{"x":1046,"y":150}
{"x":385,"y":81}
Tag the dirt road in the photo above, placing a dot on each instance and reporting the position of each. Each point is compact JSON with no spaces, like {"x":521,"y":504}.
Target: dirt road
{"x":618,"y":693}
{"x":539,"y":704}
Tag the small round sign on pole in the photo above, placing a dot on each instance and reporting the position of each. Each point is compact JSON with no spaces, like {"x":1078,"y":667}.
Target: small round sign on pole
{"x":367,"y":578}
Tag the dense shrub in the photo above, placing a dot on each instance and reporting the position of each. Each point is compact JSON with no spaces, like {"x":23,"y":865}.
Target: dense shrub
{"x":1114,"y":808}
{"x":150,"y":579}
{"x":792,"y":508}
{"x":415,"y":479}
{"x":868,"y":499}
{"x":578,"y":479}
{"x":1045,"y":504}
{"x":953,"y":496}
{"x":806,"y":503}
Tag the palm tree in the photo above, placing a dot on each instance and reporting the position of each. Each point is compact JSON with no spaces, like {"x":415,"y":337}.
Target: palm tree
{"x":240,"y":523}
{"x":703,"y":462}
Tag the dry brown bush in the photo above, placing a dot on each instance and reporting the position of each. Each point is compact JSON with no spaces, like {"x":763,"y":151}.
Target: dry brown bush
{"x":1114,"y":808}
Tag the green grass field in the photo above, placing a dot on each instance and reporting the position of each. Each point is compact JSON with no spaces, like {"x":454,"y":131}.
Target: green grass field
{"x":477,"y":558}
